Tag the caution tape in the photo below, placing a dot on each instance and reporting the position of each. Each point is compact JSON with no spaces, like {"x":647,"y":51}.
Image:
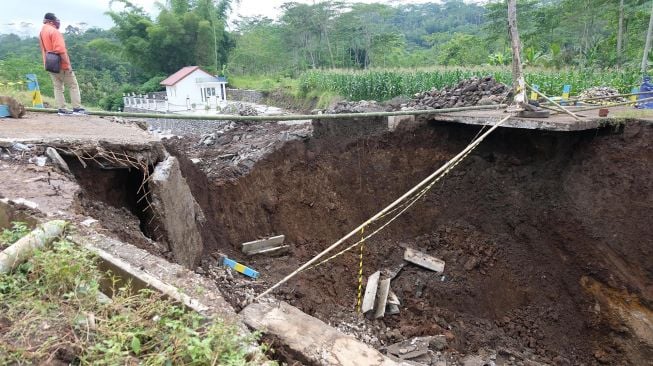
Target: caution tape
{"x":360,"y":274}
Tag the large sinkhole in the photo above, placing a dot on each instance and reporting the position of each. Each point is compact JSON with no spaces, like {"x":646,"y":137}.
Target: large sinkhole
{"x":117,"y":193}
{"x":546,"y":236}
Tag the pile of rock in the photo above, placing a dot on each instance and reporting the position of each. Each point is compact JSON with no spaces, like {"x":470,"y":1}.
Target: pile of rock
{"x":469,"y":92}
{"x":241,"y":109}
{"x":605,"y":94}
{"x":362,"y":106}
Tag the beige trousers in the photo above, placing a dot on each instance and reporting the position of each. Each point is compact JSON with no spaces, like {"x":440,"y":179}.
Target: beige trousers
{"x":67,"y":78}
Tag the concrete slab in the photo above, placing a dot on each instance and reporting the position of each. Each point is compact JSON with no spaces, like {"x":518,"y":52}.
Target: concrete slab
{"x":561,"y":122}
{"x":370,"y":292}
{"x":263,"y":245}
{"x":411,"y":348}
{"x":178,"y":212}
{"x":393,"y":299}
{"x":52,"y":129}
{"x":393,"y":272}
{"x":146,"y":270}
{"x":57,"y":159}
{"x":382,"y":298}
{"x":318,"y":342}
{"x":424,"y":260}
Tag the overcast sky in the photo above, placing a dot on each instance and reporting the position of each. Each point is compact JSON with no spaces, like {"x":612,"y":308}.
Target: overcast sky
{"x":24,"y":18}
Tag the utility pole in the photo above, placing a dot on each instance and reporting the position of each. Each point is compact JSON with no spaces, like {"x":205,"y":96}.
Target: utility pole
{"x":647,"y":46}
{"x":620,"y":34}
{"x":518,"y":82}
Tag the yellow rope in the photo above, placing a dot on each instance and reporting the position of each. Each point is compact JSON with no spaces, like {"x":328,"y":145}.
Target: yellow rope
{"x":360,"y":273}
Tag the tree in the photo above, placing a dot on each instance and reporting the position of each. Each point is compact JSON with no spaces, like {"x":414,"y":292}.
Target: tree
{"x":184,"y":33}
{"x":518,"y":82}
{"x":647,"y":44}
{"x":620,"y":33}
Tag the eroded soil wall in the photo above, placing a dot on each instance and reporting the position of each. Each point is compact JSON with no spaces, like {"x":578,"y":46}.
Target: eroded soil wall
{"x":525,"y":225}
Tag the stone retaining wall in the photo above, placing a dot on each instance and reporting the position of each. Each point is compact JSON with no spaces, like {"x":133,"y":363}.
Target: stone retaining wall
{"x":251,"y":96}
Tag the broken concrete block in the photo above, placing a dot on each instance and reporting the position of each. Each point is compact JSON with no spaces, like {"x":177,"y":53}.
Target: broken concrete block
{"x":180,"y":215}
{"x":370,"y":292}
{"x":392,"y":309}
{"x":57,"y":159}
{"x":410,"y":349}
{"x":394,"y":272}
{"x":317,"y":342}
{"x":424,"y":260}
{"x":382,"y":298}
{"x":268,"y":245}
{"x":393,"y":299}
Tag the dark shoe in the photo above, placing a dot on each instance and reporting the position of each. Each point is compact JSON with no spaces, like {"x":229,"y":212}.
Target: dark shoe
{"x":64,"y":112}
{"x":79,"y":111}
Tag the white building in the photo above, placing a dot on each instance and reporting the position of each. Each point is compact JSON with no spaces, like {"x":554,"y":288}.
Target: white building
{"x":193,"y":88}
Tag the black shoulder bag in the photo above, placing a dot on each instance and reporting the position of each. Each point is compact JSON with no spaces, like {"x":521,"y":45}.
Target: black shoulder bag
{"x":52,"y":60}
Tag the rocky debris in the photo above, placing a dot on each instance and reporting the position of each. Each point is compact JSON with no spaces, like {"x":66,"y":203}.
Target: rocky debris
{"x":208,"y":139}
{"x":362,"y":106}
{"x":241,"y":109}
{"x":231,"y":149}
{"x":410,"y":349}
{"x":601,"y":92}
{"x":469,"y":92}
{"x":239,"y":290}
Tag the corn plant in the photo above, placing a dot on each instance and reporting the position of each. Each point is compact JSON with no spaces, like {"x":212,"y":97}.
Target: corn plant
{"x":386,"y":84}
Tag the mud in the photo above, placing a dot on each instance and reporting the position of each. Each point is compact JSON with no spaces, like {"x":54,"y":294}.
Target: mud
{"x":546,"y":236}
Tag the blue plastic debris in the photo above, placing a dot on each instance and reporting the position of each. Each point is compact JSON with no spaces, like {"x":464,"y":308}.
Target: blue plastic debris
{"x":240,"y":267}
{"x":646,"y":87}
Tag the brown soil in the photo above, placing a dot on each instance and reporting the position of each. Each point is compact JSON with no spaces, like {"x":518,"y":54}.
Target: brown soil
{"x":528,"y":225}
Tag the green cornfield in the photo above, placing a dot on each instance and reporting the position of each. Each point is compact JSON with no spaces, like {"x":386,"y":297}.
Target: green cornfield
{"x":386,"y":84}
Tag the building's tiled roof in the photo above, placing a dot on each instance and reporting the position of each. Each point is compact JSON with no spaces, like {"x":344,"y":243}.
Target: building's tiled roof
{"x":181,"y":74}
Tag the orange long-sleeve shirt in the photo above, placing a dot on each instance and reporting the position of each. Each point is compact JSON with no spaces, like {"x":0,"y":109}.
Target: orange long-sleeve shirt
{"x":52,"y":41}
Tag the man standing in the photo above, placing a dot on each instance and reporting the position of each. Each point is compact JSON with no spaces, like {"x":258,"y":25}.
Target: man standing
{"x":52,"y":41}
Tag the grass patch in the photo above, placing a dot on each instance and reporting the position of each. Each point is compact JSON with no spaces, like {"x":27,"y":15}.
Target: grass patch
{"x":10,"y":236}
{"x":264,"y":83}
{"x":49,"y":312}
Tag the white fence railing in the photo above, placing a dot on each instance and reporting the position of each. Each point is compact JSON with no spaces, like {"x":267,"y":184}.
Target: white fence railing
{"x":145,"y":102}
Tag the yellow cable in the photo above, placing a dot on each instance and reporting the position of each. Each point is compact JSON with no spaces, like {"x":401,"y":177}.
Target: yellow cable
{"x":360,"y":273}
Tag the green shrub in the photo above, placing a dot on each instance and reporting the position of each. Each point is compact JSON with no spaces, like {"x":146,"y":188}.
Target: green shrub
{"x":10,"y":236}
{"x":49,"y":307}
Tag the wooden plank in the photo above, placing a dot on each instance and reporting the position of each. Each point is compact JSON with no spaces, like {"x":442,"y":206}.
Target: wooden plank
{"x":253,"y":247}
{"x":370,"y":292}
{"x":382,"y":298}
{"x":424,"y":260}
